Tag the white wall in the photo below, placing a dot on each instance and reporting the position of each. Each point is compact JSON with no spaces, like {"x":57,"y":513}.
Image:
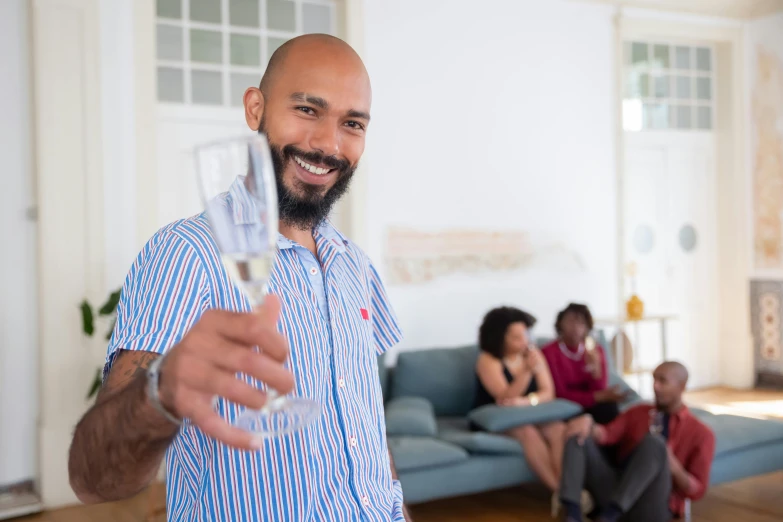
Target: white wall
{"x":18,"y":340}
{"x":498,"y":115}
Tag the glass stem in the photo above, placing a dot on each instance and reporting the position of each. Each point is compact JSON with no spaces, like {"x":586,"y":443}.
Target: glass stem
{"x":255,"y":294}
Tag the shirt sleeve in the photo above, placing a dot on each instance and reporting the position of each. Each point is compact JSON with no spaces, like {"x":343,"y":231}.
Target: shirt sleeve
{"x":398,"y":515}
{"x":613,"y":432}
{"x":386,"y":330}
{"x":163,"y":296}
{"x":698,"y":466}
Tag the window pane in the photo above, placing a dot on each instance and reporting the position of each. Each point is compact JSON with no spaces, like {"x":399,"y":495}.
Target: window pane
{"x":682,"y":57}
{"x":639,"y":53}
{"x":661,"y":86}
{"x":239,"y":84}
{"x":656,"y":116}
{"x":205,"y":11}
{"x":171,"y":85}
{"x":245,"y":50}
{"x":280,"y":15}
{"x":703,"y":88}
{"x":272,"y":44}
{"x":661,"y":56}
{"x":704,"y":118}
{"x":207,"y":87}
{"x":683,"y":116}
{"x":244,"y":13}
{"x":703,"y":59}
{"x":169,"y":42}
{"x":637,"y":85}
{"x":316,"y":18}
{"x":206,"y":46}
{"x":169,"y":9}
{"x":682,"y":87}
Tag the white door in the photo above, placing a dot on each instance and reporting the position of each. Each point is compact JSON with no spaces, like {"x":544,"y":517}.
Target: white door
{"x":208,"y":53}
{"x":669,"y":202}
{"x":670,"y":228}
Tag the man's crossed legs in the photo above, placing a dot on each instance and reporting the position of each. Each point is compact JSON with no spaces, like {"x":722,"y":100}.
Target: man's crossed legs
{"x":637,"y":492}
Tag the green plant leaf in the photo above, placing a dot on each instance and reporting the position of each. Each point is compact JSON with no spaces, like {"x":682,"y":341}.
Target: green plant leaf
{"x":96,"y":384}
{"x":88,"y":323}
{"x":111,"y":303}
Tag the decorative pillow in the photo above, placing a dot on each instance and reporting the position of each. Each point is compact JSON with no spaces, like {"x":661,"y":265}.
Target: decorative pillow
{"x":497,"y":419}
{"x":411,"y":416}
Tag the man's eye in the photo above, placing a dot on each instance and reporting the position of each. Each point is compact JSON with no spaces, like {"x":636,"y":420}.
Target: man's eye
{"x":355,"y":125}
{"x":306,"y":110}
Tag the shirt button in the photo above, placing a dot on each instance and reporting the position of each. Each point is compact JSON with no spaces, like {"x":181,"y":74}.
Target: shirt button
{"x":366,"y":501}
{"x":341,"y":382}
{"x":354,"y":442}
{"x":313,"y":270}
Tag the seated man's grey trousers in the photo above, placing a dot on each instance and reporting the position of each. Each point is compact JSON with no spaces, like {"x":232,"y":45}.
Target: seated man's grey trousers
{"x":641,"y":488}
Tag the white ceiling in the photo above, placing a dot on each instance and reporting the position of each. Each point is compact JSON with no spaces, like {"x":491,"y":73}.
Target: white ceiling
{"x":725,"y":8}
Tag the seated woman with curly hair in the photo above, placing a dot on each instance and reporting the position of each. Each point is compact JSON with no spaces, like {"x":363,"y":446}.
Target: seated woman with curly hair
{"x":511,"y":372}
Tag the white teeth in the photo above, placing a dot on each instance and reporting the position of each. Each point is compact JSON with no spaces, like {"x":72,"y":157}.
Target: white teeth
{"x":311,"y":168}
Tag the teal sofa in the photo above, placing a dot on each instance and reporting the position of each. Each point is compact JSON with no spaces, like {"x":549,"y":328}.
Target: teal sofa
{"x":429,"y":396}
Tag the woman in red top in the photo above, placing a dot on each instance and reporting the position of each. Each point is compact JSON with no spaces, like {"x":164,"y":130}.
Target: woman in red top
{"x":578,"y":371}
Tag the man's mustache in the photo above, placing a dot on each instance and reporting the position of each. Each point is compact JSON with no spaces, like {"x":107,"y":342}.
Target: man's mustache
{"x":289,"y":151}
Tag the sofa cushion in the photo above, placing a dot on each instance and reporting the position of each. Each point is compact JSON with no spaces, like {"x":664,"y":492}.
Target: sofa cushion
{"x":444,"y":376}
{"x":410,"y":416}
{"x":412,"y":453}
{"x":457,"y":431}
{"x":734,"y":433}
{"x":496,"y":419}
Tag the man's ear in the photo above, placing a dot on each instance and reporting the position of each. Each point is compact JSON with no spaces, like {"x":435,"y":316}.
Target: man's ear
{"x":253,"y":101}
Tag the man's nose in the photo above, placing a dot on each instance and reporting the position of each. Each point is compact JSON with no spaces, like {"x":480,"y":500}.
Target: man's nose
{"x":326,"y":139}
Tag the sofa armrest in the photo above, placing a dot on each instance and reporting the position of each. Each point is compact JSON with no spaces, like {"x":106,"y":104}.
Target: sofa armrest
{"x":497,"y":419}
{"x":411,"y":416}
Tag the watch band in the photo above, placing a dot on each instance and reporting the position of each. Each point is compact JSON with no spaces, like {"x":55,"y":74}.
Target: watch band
{"x":153,"y":383}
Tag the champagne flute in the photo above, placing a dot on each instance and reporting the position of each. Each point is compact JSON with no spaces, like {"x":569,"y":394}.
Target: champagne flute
{"x":237,"y":185}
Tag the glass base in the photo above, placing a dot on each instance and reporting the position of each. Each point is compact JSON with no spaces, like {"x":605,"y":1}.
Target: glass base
{"x":279,"y":416}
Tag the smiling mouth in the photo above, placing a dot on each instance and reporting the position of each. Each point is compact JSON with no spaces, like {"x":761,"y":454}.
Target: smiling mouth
{"x":312,"y":169}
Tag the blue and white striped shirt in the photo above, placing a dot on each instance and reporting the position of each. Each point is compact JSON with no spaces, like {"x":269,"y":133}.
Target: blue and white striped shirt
{"x":337,"y":319}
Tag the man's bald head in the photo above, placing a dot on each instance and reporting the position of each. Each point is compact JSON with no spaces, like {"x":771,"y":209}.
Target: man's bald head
{"x":670,"y":379}
{"x":313,"y":104}
{"x":677,"y":371}
{"x":310,"y":46}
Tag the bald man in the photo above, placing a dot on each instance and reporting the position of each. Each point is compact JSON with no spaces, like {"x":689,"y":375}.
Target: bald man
{"x":663,"y":456}
{"x":170,"y":380}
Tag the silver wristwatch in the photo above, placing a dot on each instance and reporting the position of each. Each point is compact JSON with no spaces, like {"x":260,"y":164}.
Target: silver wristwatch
{"x":153,"y":383}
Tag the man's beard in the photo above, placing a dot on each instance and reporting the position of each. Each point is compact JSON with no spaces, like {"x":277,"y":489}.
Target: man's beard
{"x":307,"y":206}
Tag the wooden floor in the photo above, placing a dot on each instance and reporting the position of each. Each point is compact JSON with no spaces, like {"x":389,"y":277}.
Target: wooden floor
{"x":758,"y":499}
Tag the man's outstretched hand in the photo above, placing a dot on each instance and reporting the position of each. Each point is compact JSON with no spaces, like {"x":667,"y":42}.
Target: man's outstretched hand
{"x":206,"y":362}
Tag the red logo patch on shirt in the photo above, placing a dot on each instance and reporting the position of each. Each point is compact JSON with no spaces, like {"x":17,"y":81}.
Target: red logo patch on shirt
{"x":365,"y":314}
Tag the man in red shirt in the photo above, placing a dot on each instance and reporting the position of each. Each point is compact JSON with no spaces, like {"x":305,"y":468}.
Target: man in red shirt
{"x":663,"y":456}
{"x":579,"y":370}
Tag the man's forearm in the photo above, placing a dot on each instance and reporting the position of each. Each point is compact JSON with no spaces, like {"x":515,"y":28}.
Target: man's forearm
{"x":680,"y":476}
{"x":118,"y":445}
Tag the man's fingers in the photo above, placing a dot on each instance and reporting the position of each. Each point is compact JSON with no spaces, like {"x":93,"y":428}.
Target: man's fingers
{"x":216,"y":378}
{"x":261,"y":367}
{"x":269,"y":310}
{"x":214,"y":426}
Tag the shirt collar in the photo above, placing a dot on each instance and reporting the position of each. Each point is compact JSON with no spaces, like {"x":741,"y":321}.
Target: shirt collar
{"x":324,"y":233}
{"x":680,"y":414}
